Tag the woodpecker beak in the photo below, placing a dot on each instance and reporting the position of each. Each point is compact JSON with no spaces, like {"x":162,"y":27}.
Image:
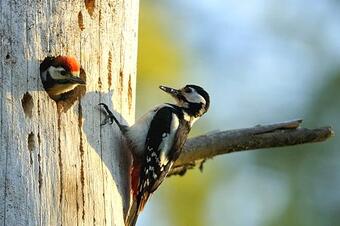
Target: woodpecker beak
{"x":173,"y":92}
{"x":75,"y":79}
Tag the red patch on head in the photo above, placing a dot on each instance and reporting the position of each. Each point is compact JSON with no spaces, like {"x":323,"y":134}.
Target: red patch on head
{"x":69,"y":63}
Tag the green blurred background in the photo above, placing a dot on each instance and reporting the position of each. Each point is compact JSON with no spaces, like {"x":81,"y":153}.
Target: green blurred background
{"x":262,"y":61}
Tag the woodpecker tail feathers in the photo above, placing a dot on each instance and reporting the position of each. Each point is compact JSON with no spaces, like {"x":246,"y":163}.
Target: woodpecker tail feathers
{"x":136,"y":207}
{"x":132,"y":215}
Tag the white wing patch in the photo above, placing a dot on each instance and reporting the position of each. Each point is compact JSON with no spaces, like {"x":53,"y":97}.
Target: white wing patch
{"x":137,"y":132}
{"x":168,"y":140}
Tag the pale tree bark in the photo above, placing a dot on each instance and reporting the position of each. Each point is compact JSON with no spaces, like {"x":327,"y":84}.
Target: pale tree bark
{"x":57,"y":166}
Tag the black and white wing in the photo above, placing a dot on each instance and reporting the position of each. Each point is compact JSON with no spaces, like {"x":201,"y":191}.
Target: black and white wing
{"x":160,"y":151}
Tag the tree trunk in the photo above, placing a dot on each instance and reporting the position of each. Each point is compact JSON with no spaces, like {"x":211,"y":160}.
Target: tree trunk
{"x":57,"y":165}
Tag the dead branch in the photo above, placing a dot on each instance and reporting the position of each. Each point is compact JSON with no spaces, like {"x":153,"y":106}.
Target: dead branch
{"x":198,"y":149}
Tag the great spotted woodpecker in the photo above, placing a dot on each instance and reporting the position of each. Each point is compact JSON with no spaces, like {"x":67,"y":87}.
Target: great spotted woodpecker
{"x":156,"y":141}
{"x":60,"y":75}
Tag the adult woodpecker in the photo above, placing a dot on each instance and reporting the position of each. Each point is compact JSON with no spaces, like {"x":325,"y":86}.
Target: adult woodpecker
{"x":156,"y":141}
{"x":60,"y":75}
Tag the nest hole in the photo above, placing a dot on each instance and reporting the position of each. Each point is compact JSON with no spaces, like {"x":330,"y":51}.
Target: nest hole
{"x":65,"y":100}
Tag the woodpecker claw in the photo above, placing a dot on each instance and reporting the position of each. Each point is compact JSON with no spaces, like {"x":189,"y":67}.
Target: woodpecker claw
{"x":109,"y":117}
{"x":106,"y":120}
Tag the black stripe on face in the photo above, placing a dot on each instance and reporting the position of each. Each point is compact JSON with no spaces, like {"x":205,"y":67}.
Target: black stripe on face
{"x":201,"y":92}
{"x":195,"y":109}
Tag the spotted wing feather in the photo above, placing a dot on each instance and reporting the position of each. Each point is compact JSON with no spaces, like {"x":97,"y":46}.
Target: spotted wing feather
{"x":160,"y":151}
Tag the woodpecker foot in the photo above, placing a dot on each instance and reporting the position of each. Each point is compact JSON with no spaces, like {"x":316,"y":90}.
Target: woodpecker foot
{"x":109,"y":117}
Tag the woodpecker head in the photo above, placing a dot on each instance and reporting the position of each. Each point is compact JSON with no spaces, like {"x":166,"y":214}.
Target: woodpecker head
{"x":193,"y":99}
{"x":60,"y":75}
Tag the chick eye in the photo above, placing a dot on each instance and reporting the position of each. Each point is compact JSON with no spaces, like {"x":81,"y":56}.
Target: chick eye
{"x":187,"y":90}
{"x":63,"y":72}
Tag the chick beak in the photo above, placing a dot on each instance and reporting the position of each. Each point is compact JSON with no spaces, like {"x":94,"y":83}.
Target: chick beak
{"x":75,"y":80}
{"x":173,"y":92}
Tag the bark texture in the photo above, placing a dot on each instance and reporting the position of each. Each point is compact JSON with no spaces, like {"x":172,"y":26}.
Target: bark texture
{"x":57,"y":166}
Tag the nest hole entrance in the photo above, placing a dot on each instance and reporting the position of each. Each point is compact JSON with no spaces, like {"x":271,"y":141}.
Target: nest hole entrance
{"x":65,"y":100}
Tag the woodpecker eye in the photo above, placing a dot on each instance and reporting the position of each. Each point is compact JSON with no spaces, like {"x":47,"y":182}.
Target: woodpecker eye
{"x":187,"y":90}
{"x":63,"y":72}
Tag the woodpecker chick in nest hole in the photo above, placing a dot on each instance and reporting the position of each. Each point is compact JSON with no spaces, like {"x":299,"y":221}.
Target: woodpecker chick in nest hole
{"x":60,"y":75}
